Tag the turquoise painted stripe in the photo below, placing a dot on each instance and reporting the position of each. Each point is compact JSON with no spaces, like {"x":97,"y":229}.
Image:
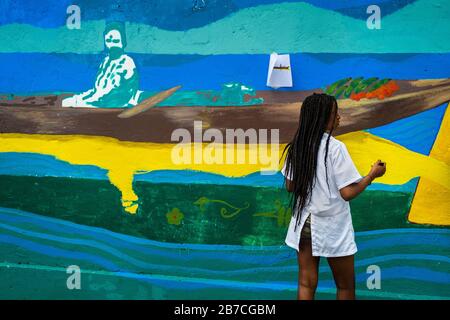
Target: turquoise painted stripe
{"x":226,"y":283}
{"x":57,"y":252}
{"x":257,"y":257}
{"x":303,"y":28}
{"x":41,"y":165}
{"x":240,"y":270}
{"x":405,"y":240}
{"x":412,"y":273}
{"x":85,"y":243}
{"x":443,"y":231}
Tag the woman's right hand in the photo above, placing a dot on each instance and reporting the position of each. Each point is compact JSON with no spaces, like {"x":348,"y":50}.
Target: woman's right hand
{"x":378,"y":169}
{"x":351,"y":191}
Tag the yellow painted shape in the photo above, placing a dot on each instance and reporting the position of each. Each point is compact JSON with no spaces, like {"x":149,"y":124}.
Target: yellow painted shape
{"x":124,"y":159}
{"x":431,"y":203}
{"x":402,"y":164}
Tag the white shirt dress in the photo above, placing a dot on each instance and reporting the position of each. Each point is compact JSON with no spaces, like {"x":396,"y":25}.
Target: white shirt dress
{"x":332,"y":233}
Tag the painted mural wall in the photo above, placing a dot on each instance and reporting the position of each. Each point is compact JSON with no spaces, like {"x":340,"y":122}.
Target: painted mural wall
{"x":91,"y":93}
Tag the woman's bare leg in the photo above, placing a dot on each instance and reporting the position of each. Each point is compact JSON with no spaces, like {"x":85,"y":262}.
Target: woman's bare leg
{"x":343,"y":269}
{"x":308,"y":274}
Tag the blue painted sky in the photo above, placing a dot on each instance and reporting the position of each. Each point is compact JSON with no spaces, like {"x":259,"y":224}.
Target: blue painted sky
{"x":26,"y":73}
{"x":165,"y":14}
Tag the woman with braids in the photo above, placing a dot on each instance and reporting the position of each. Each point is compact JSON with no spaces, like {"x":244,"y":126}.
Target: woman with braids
{"x":322,"y":178}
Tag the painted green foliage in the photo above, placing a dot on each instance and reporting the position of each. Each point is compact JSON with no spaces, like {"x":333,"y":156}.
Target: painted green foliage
{"x":230,"y":94}
{"x":344,"y":88}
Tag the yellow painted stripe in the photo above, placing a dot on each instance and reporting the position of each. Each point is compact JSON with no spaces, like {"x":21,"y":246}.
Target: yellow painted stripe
{"x":124,"y":159}
{"x":431,"y":203}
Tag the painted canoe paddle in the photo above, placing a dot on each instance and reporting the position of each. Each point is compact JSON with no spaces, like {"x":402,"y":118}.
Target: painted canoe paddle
{"x":148,"y":103}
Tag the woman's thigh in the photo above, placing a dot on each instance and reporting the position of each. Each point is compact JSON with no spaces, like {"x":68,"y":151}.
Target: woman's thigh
{"x":308,"y":264}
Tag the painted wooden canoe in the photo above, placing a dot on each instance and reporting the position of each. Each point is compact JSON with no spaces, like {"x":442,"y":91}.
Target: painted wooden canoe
{"x":280,"y":110}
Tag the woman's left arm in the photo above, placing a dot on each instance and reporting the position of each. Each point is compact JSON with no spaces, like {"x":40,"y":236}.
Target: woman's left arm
{"x":289,"y":185}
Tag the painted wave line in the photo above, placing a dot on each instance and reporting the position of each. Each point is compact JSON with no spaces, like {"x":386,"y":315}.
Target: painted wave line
{"x":110,"y":235}
{"x":299,"y":18}
{"x":248,"y":271}
{"x":139,"y":263}
{"x":229,"y":283}
{"x":181,"y":12}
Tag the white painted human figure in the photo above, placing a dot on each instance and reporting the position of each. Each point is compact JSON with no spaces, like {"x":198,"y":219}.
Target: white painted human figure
{"x":117,"y":81}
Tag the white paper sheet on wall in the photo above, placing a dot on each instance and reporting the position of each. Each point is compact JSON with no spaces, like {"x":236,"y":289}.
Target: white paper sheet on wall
{"x":279,"y":74}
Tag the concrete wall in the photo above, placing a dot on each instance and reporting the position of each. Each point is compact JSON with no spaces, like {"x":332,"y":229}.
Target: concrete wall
{"x":79,"y":188}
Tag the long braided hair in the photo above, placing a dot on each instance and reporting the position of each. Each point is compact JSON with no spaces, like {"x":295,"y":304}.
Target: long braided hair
{"x":302,"y":151}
